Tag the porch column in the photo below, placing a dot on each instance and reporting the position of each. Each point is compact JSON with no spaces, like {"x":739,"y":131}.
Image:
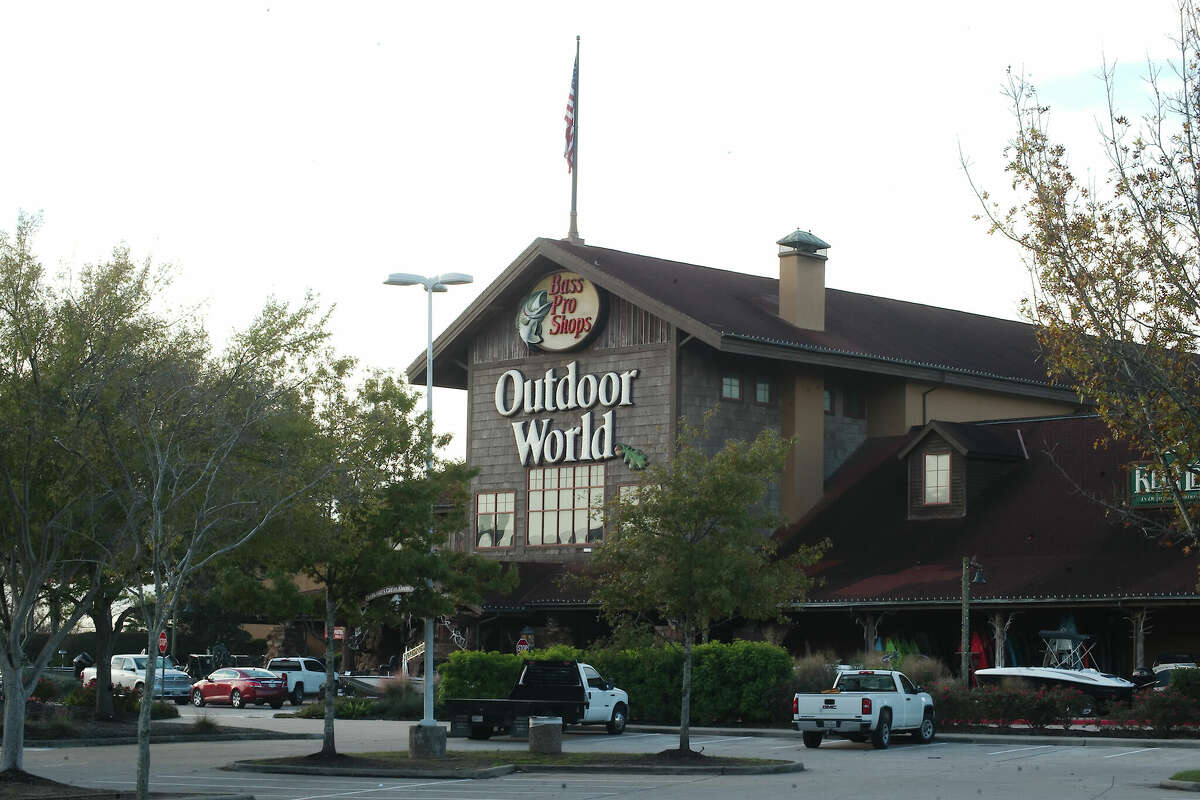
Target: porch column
{"x":1000,"y":622}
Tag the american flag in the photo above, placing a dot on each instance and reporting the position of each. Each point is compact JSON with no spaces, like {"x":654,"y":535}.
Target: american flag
{"x":569,"y":154}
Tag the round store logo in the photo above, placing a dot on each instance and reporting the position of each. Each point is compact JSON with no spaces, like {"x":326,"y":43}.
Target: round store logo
{"x":561,"y":312}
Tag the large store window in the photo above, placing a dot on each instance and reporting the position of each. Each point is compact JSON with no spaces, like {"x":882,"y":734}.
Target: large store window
{"x":937,"y":479}
{"x":494,"y":521}
{"x":566,"y":504}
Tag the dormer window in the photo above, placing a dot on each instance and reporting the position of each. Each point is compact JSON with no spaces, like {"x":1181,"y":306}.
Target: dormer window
{"x":937,"y":479}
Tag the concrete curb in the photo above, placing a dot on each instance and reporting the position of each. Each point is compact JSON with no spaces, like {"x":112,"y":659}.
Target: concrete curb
{"x":289,"y":769}
{"x":508,"y":769}
{"x":169,"y":739}
{"x":1183,"y":786}
{"x":967,"y":738}
{"x":766,"y":769}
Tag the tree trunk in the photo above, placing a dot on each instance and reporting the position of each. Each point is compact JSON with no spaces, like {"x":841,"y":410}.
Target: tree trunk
{"x":143,"y":762}
{"x":12,"y":749}
{"x":327,"y":744}
{"x":101,"y":615}
{"x":685,"y":710}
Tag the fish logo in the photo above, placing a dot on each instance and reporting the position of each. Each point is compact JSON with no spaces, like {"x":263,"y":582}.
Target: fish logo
{"x":533,"y":312}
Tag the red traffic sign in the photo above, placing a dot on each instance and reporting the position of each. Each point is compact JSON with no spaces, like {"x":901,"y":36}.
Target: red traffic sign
{"x":522,"y":646}
{"x":162,"y":642}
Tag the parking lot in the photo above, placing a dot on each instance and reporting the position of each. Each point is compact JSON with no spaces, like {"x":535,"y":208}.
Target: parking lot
{"x":944,"y":769}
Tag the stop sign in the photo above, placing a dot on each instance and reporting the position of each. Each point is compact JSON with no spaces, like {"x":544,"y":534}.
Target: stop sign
{"x":522,"y":645}
{"x":162,"y":642}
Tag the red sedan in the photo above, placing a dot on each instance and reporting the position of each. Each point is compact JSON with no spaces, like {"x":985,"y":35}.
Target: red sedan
{"x":239,"y":686}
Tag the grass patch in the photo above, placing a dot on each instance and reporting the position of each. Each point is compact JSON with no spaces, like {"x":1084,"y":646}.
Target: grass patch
{"x":1187,"y":775}
{"x":482,"y":759}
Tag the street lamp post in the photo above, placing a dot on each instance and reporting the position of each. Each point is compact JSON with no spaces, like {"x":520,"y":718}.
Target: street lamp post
{"x":435,"y":283}
{"x":965,"y":645}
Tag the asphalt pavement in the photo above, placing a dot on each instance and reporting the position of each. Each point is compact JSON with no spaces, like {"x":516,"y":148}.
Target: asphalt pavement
{"x":953,"y":766}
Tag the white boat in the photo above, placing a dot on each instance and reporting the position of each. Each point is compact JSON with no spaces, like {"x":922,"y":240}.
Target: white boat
{"x":1063,"y":666}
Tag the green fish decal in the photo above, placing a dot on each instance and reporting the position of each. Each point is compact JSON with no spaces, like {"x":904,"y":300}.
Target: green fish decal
{"x":634,"y":459}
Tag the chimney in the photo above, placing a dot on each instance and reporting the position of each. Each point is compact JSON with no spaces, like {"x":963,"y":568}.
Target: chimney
{"x":802,"y":258}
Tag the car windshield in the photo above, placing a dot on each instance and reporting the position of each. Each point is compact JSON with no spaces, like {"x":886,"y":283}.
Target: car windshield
{"x":164,"y":662}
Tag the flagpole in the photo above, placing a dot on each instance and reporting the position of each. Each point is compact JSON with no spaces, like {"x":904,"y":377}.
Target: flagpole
{"x":573,"y":233}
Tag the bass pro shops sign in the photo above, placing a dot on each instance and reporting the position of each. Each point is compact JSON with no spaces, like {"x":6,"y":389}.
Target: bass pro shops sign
{"x":538,"y":441}
{"x":561,"y":312}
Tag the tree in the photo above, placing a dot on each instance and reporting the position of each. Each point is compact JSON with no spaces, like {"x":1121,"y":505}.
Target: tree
{"x":206,"y":450}
{"x":692,"y":544}
{"x":61,"y":358}
{"x":1116,"y":269}
{"x":374,"y":526}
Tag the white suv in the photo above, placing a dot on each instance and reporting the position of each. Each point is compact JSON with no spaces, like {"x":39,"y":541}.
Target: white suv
{"x":303,"y":675}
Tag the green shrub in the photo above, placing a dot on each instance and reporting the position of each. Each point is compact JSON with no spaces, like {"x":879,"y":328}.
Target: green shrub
{"x":1163,"y":712}
{"x":478,"y":674}
{"x":84,"y":696}
{"x":159,"y":709}
{"x":952,"y":703}
{"x":1186,"y":682}
{"x":401,"y":701}
{"x":652,"y":676}
{"x":47,"y":690}
{"x":343,"y":708}
{"x":814,"y":672}
{"x":925,"y":671}
{"x":205,"y":724}
{"x":735,"y":682}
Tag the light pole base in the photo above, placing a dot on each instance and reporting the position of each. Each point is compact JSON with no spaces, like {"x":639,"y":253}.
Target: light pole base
{"x":426,"y":741}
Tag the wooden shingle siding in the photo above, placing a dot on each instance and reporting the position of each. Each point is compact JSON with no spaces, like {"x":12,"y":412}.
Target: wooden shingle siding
{"x":626,"y":326}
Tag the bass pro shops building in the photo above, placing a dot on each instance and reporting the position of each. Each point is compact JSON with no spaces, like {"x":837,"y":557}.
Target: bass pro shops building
{"x":578,"y":362}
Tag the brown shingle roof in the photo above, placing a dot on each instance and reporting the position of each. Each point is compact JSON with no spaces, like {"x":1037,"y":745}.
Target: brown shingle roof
{"x":1039,"y":537}
{"x":747,"y":307}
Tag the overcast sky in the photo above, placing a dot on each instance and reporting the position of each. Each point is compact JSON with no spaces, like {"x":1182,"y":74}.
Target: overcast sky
{"x":269,"y":148}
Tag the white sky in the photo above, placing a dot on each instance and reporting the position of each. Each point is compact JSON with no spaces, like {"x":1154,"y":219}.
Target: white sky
{"x":272,"y":147}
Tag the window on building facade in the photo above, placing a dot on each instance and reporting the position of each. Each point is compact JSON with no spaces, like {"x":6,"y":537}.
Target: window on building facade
{"x":828,"y":401}
{"x":937,"y":479}
{"x":566,"y":505}
{"x":494,"y":520}
{"x":854,"y":404}
{"x":731,"y":388}
{"x":762,"y":391}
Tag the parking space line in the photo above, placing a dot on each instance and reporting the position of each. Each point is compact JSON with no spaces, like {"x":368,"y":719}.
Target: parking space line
{"x":381,"y":787}
{"x":1131,"y":752}
{"x":715,"y":741}
{"x":1019,"y":749}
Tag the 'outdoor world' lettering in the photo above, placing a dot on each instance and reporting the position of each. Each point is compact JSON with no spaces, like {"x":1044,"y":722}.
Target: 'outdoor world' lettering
{"x":537,"y":440}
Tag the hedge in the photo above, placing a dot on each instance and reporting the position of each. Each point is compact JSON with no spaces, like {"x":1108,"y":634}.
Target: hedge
{"x":735,"y":682}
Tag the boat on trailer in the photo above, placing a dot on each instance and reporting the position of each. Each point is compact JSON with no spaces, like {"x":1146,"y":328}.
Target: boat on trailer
{"x":1063,"y":666}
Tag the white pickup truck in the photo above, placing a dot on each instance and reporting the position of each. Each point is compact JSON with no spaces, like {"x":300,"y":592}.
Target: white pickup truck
{"x":129,"y":677}
{"x":865,"y":703}
{"x":305,"y":676}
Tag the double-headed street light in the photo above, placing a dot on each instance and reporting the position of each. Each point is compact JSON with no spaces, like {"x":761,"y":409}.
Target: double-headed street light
{"x":435,"y":283}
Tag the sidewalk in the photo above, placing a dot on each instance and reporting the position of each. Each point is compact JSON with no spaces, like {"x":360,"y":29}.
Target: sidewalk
{"x":1078,"y":740}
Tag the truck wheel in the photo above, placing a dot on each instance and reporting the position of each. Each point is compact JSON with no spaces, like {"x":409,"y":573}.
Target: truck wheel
{"x":298,"y":694}
{"x":812,"y":739}
{"x":197,"y":698}
{"x":480,"y":732}
{"x":882,"y":735}
{"x":139,"y":689}
{"x":616,"y":725}
{"x":925,"y":733}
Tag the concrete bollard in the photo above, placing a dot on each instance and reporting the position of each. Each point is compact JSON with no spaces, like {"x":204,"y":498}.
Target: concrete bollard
{"x":545,"y":734}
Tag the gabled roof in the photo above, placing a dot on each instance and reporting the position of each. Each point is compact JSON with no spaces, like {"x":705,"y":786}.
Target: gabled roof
{"x":973,"y":441}
{"x":738,"y":313}
{"x":1037,"y":531}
